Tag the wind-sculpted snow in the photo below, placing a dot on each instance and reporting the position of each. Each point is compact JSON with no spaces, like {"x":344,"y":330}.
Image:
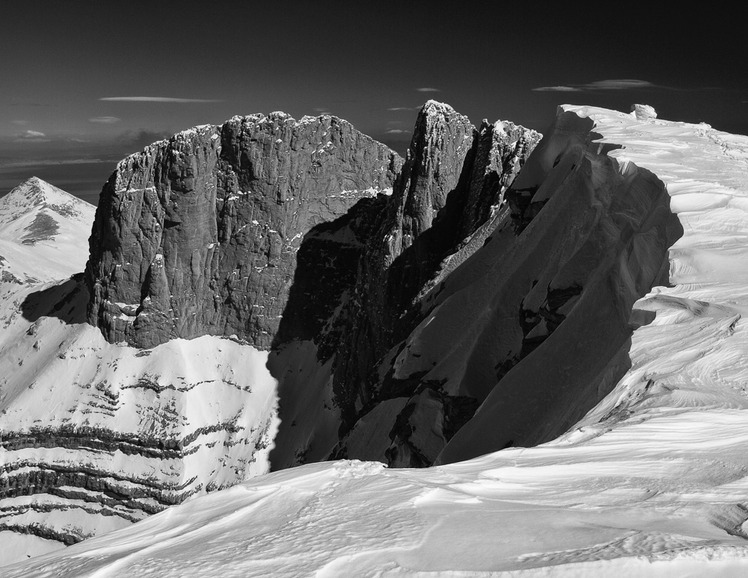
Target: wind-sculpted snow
{"x":659,"y":497}
{"x":693,"y":354}
{"x":95,"y":436}
{"x":651,"y":482}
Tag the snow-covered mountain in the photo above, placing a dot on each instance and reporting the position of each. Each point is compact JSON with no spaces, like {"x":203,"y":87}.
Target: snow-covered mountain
{"x":598,"y":299}
{"x":43,"y":231}
{"x":93,"y":435}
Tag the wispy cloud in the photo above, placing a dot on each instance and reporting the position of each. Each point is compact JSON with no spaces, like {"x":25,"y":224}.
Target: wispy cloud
{"x":428,"y":89}
{"x":557,"y":89}
{"x":105,"y":119}
{"x":156,"y":99}
{"x":612,"y":84}
{"x":19,"y":122}
{"x":52,"y":162}
{"x":396,"y":131}
{"x":32,"y":136}
{"x":403,"y":108}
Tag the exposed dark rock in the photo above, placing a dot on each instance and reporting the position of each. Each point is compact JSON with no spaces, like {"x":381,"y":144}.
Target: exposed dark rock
{"x":42,"y":228}
{"x":451,"y":184}
{"x":198,"y":234}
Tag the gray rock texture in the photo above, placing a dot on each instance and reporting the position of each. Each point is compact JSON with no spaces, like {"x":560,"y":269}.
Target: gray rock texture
{"x":375,"y":265}
{"x":198,"y":234}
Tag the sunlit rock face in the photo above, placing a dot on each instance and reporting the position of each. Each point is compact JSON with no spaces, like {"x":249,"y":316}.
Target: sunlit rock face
{"x":198,"y":234}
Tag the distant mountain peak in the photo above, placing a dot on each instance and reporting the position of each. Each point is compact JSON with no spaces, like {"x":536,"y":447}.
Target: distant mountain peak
{"x":36,"y":211}
{"x":34,"y":192}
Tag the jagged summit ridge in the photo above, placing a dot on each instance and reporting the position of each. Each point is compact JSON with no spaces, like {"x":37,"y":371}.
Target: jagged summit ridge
{"x":453,"y":178}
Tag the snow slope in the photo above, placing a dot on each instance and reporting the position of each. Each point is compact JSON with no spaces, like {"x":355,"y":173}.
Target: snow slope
{"x":653,"y":481}
{"x":41,"y":229}
{"x":95,"y":436}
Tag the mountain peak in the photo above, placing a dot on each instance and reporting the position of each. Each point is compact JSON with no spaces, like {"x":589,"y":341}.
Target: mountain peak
{"x":34,"y":192}
{"x":435,"y":107}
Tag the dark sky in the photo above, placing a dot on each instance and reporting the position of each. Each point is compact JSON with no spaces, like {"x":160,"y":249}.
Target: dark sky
{"x":83,"y":83}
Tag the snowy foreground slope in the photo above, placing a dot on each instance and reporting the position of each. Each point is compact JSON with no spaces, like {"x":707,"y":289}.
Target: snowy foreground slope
{"x":653,"y":481}
{"x":95,"y":436}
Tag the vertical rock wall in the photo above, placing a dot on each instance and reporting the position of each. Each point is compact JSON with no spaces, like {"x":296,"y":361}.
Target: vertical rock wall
{"x":198,"y":234}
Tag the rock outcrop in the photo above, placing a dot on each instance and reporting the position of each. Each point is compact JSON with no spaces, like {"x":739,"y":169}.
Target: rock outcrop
{"x":198,"y":234}
{"x":452,"y":182}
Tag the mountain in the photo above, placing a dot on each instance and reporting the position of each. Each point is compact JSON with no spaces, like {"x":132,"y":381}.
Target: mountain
{"x":53,"y":222}
{"x":137,"y":378}
{"x":334,"y":361}
{"x":198,"y":234}
{"x":144,"y":379}
{"x":651,"y":480}
{"x":93,"y":435}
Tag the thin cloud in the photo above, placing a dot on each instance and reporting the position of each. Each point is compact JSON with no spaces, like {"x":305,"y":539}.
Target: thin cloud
{"x":619,"y":84}
{"x":428,"y":89}
{"x":32,"y":135}
{"x":396,"y":131}
{"x":557,"y":89}
{"x":403,"y":108}
{"x":105,"y":119}
{"x":612,"y":84}
{"x":156,"y":99}
{"x":53,"y":162}
{"x":19,"y":122}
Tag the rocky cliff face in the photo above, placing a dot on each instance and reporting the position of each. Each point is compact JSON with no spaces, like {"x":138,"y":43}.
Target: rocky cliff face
{"x":453,"y":180}
{"x":198,"y":234}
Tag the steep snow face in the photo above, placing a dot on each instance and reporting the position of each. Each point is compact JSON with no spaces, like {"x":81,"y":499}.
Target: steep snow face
{"x":693,"y":355}
{"x":95,"y":436}
{"x":650,"y":482}
{"x":545,"y":309}
{"x":704,"y":172}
